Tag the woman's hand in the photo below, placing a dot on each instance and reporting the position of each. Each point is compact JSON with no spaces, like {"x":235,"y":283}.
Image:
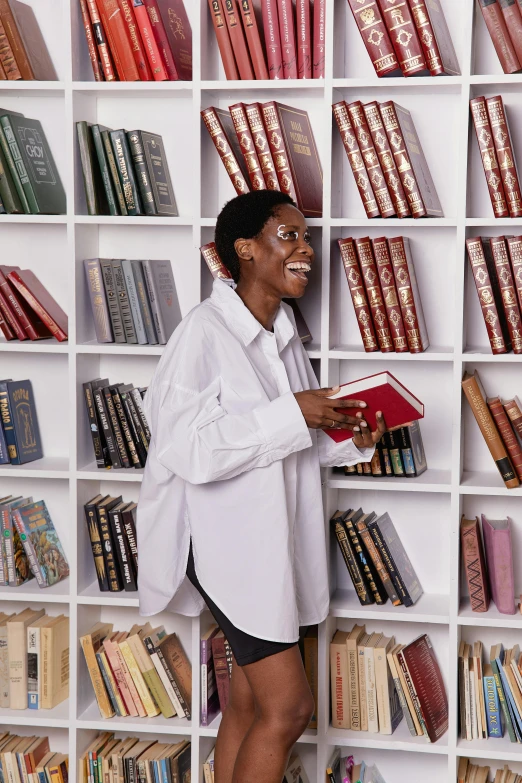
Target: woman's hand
{"x":319,"y":411}
{"x":363,"y":437}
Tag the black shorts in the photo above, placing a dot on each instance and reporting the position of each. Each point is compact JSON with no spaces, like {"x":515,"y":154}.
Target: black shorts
{"x":246,"y":648}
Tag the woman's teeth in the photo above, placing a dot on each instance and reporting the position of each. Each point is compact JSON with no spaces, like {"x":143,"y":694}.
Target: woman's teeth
{"x":299,"y":269}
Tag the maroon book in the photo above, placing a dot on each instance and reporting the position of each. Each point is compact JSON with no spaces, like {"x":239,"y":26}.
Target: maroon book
{"x":253,"y":38}
{"x":403,"y":35}
{"x":389,"y":294}
{"x":506,"y":433}
{"x":358,"y":294}
{"x":287,"y":36}
{"x":505,"y":154}
{"x":272,"y":39}
{"x":387,"y":161}
{"x":488,"y":154}
{"x":472,"y":551}
{"x":246,"y":143}
{"x":223,"y":40}
{"x":221,"y":669}
{"x":40,"y":301}
{"x":319,"y":50}
{"x":375,"y":36}
{"x":435,"y":37}
{"x":515,"y":254}
{"x":428,"y":685}
{"x":137,"y":46}
{"x":254,"y":113}
{"x":498,"y":31}
{"x":5,"y":328}
{"x":507,"y":291}
{"x":371,"y":159}
{"x":409,"y":294}
{"x":513,"y":19}
{"x":179,"y":34}
{"x":215,"y":264}
{"x":222,"y":132}
{"x":355,"y":159}
{"x":374,"y":294}
{"x":30,"y":321}
{"x":11,"y":325}
{"x":161,"y":38}
{"x":237,"y":39}
{"x":479,"y":253}
{"x":303,"y":25}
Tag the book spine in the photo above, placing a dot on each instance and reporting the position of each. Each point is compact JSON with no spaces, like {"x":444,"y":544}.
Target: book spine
{"x":122,"y":551}
{"x":139,"y":682}
{"x":113,"y":169}
{"x":100,"y":692}
{"x":499,"y":34}
{"x":93,"y":425}
{"x":403,"y":35}
{"x":246,"y":143}
{"x":506,"y":433}
{"x":378,"y":563}
{"x":503,"y":701}
{"x":162,"y":674}
{"x":138,"y":52}
{"x":159,"y":175}
{"x":103,"y":417}
{"x":204,"y":673}
{"x":494,"y":725}
{"x":402,"y":159}
{"x":287,"y":37}
{"x":131,"y":446}
{"x":253,"y":39}
{"x":57,"y":332}
{"x":400,"y":693}
{"x":17,"y":310}
{"x":374,"y":294}
{"x":15,"y":41}
{"x":7,"y":540}
{"x":89,"y":34}
{"x":88,"y":163}
{"x":118,"y":32}
{"x":371,"y":159}
{"x":513,"y":19}
{"x":371,"y":694}
{"x":137,"y":435}
{"x":339,"y":686}
{"x":7,"y":128}
{"x":131,"y":411}
{"x":474,"y":566}
{"x":101,"y":42}
{"x":105,"y":171}
{"x":15,"y":176}
{"x":479,"y":269}
{"x":505,"y":155}
{"x":33,"y":654}
{"x":389,"y":563}
{"x":113,"y":576}
{"x":389,"y":294}
{"x":304,"y":41}
{"x":358,"y":294}
{"x":223,"y":40}
{"x":125,"y":171}
{"x":138,"y":404}
{"x":7,"y":58}
{"x":278,"y":149}
{"x":128,"y":680}
{"x":488,"y":154}
{"x":367,"y":567}
{"x":8,"y":191}
{"x":375,"y":35}
{"x":142,"y":174}
{"x":427,"y":37}
{"x":112,"y":300}
{"x":115,"y":426}
{"x":229,"y":160}
{"x":157,"y":317}
{"x":96,"y":547}
{"x":237,"y":39}
{"x":214,"y":263}
{"x":357,"y":575}
{"x":387,"y":161}
{"x":408,"y":296}
{"x":257,"y":128}
{"x":10,"y":316}
{"x":132,"y":293}
{"x":152,"y":51}
{"x":272,"y":39}
{"x":319,"y":39}
{"x":173,"y":683}
{"x":507,"y":291}
{"x":100,"y":308}
{"x":412,"y":692}
{"x":125,"y":308}
{"x":515,"y":416}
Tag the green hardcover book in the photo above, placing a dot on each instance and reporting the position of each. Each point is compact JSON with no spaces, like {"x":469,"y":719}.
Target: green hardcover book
{"x":126,"y":172}
{"x":104,"y":169}
{"x":142,"y":174}
{"x":8,"y":192}
{"x":113,"y":168}
{"x":159,"y":175}
{"x":94,"y":190}
{"x":11,"y":167}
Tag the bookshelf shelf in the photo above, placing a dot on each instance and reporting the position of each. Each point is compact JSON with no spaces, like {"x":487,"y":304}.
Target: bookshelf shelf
{"x":490,"y":619}
{"x":501,"y":750}
{"x":399,"y":740}
{"x":432,"y":481}
{"x":429,"y":609}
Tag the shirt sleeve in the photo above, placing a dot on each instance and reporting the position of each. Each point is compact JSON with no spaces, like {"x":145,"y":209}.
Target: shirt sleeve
{"x":332,"y":454}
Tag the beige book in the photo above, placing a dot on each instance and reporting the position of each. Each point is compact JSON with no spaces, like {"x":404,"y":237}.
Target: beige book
{"x":54,"y":643}
{"x":473,"y":700}
{"x":118,"y":775}
{"x":4,"y":660}
{"x":371,"y":693}
{"x":463,"y":768}
{"x":477,"y":654}
{"x":20,"y":762}
{"x":90,"y":644}
{"x":362,"y":681}
{"x":384,"y":687}
{"x":83,"y":773}
{"x":115,"y":647}
{"x":406,"y":691}
{"x":9,"y":761}
{"x":17,"y":656}
{"x":138,"y":679}
{"x":34,"y":661}
{"x":155,"y":637}
{"x":150,"y":674}
{"x":353,"y":639}
{"x":339,"y":681}
{"x":108,"y":676}
{"x":513,"y":685}
{"x":467,"y":692}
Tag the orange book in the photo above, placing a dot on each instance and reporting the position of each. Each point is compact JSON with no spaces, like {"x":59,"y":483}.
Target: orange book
{"x":138,"y":50}
{"x":119,"y":40}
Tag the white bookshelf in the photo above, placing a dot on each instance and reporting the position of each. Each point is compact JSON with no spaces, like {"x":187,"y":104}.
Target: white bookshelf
{"x":461,"y":476}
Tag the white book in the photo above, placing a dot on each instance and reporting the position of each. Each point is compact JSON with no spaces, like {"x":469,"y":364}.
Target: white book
{"x":469,"y":735}
{"x":473,"y":701}
{"x":371,"y":691}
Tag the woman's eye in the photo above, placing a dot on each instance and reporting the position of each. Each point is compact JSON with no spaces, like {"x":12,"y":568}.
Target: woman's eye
{"x":308,"y":238}
{"x":289,"y":235}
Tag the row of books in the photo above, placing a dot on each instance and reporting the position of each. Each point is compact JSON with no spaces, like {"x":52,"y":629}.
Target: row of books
{"x":130,"y":759}
{"x":132,"y":302}
{"x":30,"y":759}
{"x":500,"y":425}
{"x":111,"y":524}
{"x":280,"y":40}
{"x":119,"y":430}
{"x":138,"y":40}
{"x":376,"y":682}
{"x":30,"y":546}
{"x":498,"y":156}
{"x":412,"y":38}
{"x":27,"y":309}
{"x":487,"y":559}
{"x":474,"y":773}
{"x":23,"y":53}
{"x":124,"y":172}
{"x":385,"y":295}
{"x":496,"y":266}
{"x":20,"y":440}
{"x":269,"y":146}
{"x":376,"y":559}
{"x":142,"y":672}
{"x":386,"y":157}
{"x":504,"y":22}
{"x":399,"y":454}
{"x":26,"y":640}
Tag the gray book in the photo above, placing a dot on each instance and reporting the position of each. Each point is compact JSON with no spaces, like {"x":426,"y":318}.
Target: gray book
{"x":123,"y":299}
{"x":163,"y":298}
{"x":396,"y":559}
{"x":112,"y":300}
{"x":99,"y":305}
{"x":132,"y":293}
{"x":144,"y":302}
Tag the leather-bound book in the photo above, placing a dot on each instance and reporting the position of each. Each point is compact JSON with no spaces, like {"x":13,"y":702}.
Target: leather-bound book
{"x":361,"y":555}
{"x":138,"y":49}
{"x":95,"y":197}
{"x":375,"y":36}
{"x":7,"y":59}
{"x":499,"y":33}
{"x":102,"y":44}
{"x":295,"y":154}
{"x":358,"y":294}
{"x":357,"y":575}
{"x":515,"y":254}
{"x":303,"y":25}
{"x":428,"y":685}
{"x":33,"y":41}
{"x":371,"y":159}
{"x":389,"y":294}
{"x":216,"y":266}
{"x":435,"y":37}
{"x":319,"y":50}
{"x":5,"y":327}
{"x":505,"y":154}
{"x":221,"y":669}
{"x":287,"y":36}
{"x":403,"y":35}
{"x":409,"y":294}
{"x":507,"y":291}
{"x":506,"y":433}
{"x":474,"y":564}
{"x":374,"y":294}
{"x":274,"y":55}
{"x":246,"y":143}
{"x":514,"y":412}
{"x":386,"y":159}
{"x":254,"y":112}
{"x":237,"y":39}
{"x":488,"y":154}
{"x":223,"y":40}
{"x":356,"y":160}
{"x":91,"y":42}
{"x":159,"y":73}
{"x":499,"y":556}
{"x":477,"y":400}
{"x":253,"y":38}
{"x":482,"y":264}
{"x":126,"y":172}
{"x":513,"y":19}
{"x":40,"y":301}
{"x":221,"y":129}
{"x":118,"y":34}
{"x":179,"y":34}
{"x":15,"y":41}
{"x":25,"y":316}
{"x":378,"y":561}
{"x":162,"y":40}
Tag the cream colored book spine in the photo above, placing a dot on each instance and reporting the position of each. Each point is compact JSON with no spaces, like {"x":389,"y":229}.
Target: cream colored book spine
{"x":353,"y":675}
{"x":339,"y":682}
{"x":383,"y":684}
{"x":362,"y":683}
{"x":17,"y":656}
{"x":98,"y":685}
{"x":138,"y":680}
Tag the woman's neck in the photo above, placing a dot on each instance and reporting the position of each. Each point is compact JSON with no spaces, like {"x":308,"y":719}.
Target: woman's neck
{"x":262,"y":304}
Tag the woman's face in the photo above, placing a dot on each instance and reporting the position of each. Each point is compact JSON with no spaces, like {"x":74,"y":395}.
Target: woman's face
{"x":281,"y":257}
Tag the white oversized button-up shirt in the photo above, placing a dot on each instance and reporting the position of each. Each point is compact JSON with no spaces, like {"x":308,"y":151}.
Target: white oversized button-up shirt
{"x":233,"y":464}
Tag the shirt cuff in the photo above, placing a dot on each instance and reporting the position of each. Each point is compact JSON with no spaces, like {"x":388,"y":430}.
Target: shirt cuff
{"x":283,"y":425}
{"x":366,"y":452}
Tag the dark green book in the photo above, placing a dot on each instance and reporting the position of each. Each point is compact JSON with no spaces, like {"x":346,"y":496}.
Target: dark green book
{"x":8,"y":192}
{"x":104,"y":169}
{"x":126,"y":172}
{"x":142,"y":174}
{"x":159,"y":175}
{"x":94,"y":190}
{"x":13,"y":169}
{"x":111,"y":160}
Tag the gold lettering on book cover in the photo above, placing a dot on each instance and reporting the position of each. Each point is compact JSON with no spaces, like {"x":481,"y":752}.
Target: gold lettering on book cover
{"x":176,"y":25}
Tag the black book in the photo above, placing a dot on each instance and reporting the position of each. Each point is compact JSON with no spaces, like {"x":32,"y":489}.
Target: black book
{"x":92,"y":181}
{"x":119,"y":437}
{"x":385,"y":457}
{"x":361,"y":553}
{"x":142,"y":174}
{"x":357,"y":575}
{"x":125,"y":428}
{"x":392,"y":443}
{"x":129,"y":525}
{"x":126,"y":172}
{"x":184,"y":764}
{"x":138,"y":404}
{"x":159,"y":175}
{"x":127,"y":399}
{"x":25,"y":423}
{"x":104,"y":424}
{"x":396,"y":560}
{"x":113,"y":300}
{"x":102,"y":510}
{"x":104,"y":169}
{"x":122,"y":548}
{"x":91,"y":519}
{"x":92,"y":418}
{"x":123,"y":298}
{"x":137,"y":439}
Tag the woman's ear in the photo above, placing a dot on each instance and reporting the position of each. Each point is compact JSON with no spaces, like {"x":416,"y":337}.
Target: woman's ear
{"x":243,"y":249}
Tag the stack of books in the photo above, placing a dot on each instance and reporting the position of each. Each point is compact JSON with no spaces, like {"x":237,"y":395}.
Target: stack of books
{"x":496,"y":266}
{"x":119,"y":430}
{"x":111,"y":524}
{"x":280,"y":40}
{"x":345,"y":770}
{"x":386,"y":157}
{"x":376,"y":559}
{"x":140,"y":673}
{"x":488,"y":563}
{"x":138,"y":40}
{"x":30,"y":546}
{"x":500,"y":425}
{"x":124,"y":172}
{"x":468,"y":772}
{"x":498,"y":157}
{"x":504,"y":22}
{"x":20,"y":440}
{"x":129,"y":759}
{"x":27,"y":309}
{"x":269,"y":146}
{"x":385,"y":295}
{"x":132,"y":302}
{"x":27,"y":639}
{"x":375,"y":682}
{"x":399,"y":454}
{"x":412,"y":38}
{"x":29,"y":758}
{"x":23,"y":54}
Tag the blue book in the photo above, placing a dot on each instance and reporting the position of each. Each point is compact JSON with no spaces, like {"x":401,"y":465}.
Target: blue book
{"x":493,"y":713}
{"x":513,"y":709}
{"x":21,"y":425}
{"x":504,"y":704}
{"x":164,"y":774}
{"x":4,"y":453}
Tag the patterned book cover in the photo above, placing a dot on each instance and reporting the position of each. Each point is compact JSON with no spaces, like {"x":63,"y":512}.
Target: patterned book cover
{"x":24,"y":422}
{"x":41,"y":543}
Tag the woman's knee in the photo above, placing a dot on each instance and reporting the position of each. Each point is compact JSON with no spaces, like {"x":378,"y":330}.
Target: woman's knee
{"x":290,"y":718}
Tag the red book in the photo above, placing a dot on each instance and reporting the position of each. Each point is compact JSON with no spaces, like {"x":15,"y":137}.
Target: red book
{"x":514,"y":412}
{"x":149,"y":42}
{"x":506,"y":433}
{"x":40,"y":301}
{"x":484,"y":135}
{"x":389,"y":294}
{"x":375,"y":36}
{"x":507,"y":291}
{"x":409,"y":295}
{"x":237,"y":39}
{"x":215,"y":264}
{"x":160,"y":35}
{"x":223,"y":40}
{"x":505,"y":154}
{"x":358,"y":294}
{"x":371,"y":159}
{"x":118,"y":32}
{"x":498,"y":31}
{"x":474,"y":564}
{"x":482,"y":264}
{"x":30,"y":322}
{"x":254,"y":113}
{"x":515,"y":254}
{"x":303,"y":24}
{"x":387,"y":161}
{"x":179,"y":34}
{"x":138,"y":51}
{"x":253,"y":39}
{"x":403,"y":34}
{"x":101,"y":42}
{"x":4,"y":326}
{"x":418,"y":658}
{"x":381,"y":392}
{"x":374,"y":294}
{"x":221,"y":129}
{"x":221,"y":669}
{"x":89,"y":34}
{"x":355,"y":159}
{"x":272,"y":40}
{"x":319,"y":51}
{"x":246,"y":143}
{"x":287,"y":36}
{"x":435,"y":38}
{"x":9,"y":317}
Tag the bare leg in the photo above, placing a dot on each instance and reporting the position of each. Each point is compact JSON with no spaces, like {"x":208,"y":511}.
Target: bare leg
{"x":235,"y":723}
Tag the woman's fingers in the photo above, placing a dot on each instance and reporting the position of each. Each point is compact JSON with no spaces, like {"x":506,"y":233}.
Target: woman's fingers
{"x":348,"y":403}
{"x":341,"y":420}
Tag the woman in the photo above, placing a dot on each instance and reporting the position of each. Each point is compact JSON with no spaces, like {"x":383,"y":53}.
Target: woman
{"x":231,"y":496}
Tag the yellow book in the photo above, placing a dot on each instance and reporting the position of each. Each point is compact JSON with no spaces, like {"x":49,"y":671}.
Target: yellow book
{"x":138,"y":680}
{"x":55,"y":768}
{"x":90,"y":644}
{"x":151,"y":676}
{"x":54,"y":642}
{"x":17,"y":656}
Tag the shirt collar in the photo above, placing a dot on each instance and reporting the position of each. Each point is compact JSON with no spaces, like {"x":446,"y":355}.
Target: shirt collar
{"x":241,"y":320}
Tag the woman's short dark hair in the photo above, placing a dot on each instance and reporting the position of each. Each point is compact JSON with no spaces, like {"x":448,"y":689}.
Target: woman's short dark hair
{"x":244,"y":217}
